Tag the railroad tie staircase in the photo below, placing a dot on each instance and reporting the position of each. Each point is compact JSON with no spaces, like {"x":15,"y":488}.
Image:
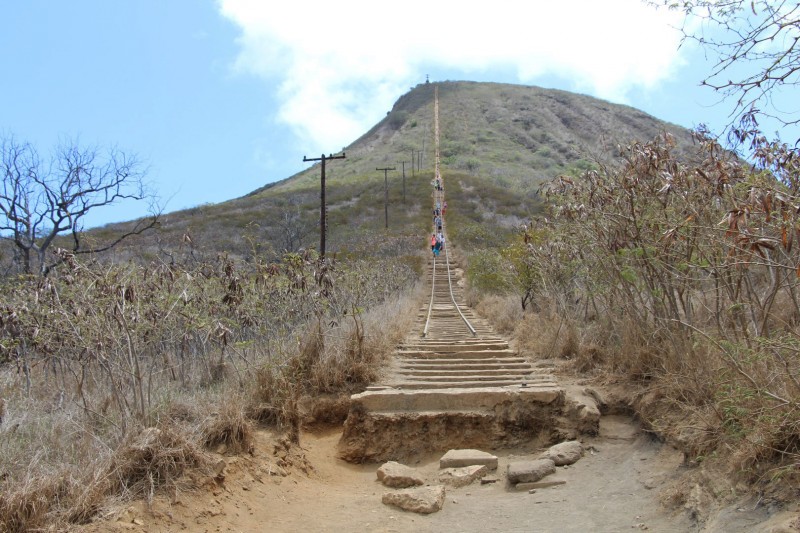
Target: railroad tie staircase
{"x":447,"y":387}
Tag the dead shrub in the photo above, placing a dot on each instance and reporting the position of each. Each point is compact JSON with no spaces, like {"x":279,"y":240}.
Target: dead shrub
{"x":327,"y":410}
{"x":275,"y":399}
{"x":535,"y":334}
{"x":569,"y":343}
{"x":504,"y":312}
{"x":300,"y":366}
{"x":354,"y":351}
{"x":153,"y":458}
{"x":27,"y":507}
{"x":230,"y":429}
{"x":590,"y":358}
{"x":88,"y":497}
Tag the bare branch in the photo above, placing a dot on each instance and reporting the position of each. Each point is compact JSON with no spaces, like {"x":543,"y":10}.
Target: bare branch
{"x":756,"y":45}
{"x":38,"y":203}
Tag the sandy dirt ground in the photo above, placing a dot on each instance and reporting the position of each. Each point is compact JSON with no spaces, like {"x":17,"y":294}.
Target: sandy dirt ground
{"x":615,"y":487}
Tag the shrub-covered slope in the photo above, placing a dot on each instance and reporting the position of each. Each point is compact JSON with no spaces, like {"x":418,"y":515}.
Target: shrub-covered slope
{"x":499,"y":143}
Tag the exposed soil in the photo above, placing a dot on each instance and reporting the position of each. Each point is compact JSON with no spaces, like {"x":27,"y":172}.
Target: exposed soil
{"x":617,"y":486}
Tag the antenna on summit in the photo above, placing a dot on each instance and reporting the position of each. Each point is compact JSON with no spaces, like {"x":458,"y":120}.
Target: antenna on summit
{"x":427,"y":79}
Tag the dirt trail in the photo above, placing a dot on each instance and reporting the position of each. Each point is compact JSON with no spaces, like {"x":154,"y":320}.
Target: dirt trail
{"x":613,"y":488}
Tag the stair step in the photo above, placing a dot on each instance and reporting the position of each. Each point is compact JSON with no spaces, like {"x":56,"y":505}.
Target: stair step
{"x":481,"y":397}
{"x":444,"y":364}
{"x":437,"y":354}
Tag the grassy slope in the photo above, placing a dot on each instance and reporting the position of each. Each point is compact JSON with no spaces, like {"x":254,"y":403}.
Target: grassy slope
{"x":501,"y":141}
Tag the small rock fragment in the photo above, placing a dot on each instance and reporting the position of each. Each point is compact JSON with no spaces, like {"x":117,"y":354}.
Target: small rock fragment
{"x":460,"y":477}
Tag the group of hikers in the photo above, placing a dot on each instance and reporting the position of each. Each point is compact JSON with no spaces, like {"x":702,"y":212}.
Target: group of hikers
{"x":439,"y":210}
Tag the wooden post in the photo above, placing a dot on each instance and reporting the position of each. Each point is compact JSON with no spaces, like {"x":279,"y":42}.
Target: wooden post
{"x":323,"y":210}
{"x":386,"y":193}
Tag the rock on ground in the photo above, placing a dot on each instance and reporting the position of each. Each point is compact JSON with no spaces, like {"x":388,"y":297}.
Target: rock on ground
{"x":530,"y":471}
{"x":423,"y":500}
{"x":458,"y":458}
{"x":565,"y":453}
{"x":398,"y":476}
{"x":582,"y":409}
{"x":460,"y":477}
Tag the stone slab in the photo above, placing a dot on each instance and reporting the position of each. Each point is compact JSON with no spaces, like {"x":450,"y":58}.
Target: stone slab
{"x":539,"y":484}
{"x":484,"y":398}
{"x":459,"y":458}
{"x":424,"y":500}
{"x":399,"y":476}
{"x":530,"y":471}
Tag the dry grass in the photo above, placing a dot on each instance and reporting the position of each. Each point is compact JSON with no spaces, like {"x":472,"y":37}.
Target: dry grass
{"x":332,"y":359}
{"x":154,"y":458}
{"x":229,"y":430}
{"x":505,"y":312}
{"x":72,"y":494}
{"x":684,"y":393}
{"x":68,"y":445}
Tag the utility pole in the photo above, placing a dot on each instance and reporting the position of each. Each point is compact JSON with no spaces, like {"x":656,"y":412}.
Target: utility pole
{"x":323,"y":210}
{"x":419,"y":160}
{"x":404,"y":183}
{"x":412,"y":162}
{"x":386,"y":193}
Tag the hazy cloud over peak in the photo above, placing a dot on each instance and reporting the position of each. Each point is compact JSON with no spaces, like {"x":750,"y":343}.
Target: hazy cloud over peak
{"x":337,"y":68}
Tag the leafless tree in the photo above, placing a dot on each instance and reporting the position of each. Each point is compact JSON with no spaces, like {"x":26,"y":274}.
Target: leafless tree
{"x":291,"y":229}
{"x":41,"y":200}
{"x":756,"y":48}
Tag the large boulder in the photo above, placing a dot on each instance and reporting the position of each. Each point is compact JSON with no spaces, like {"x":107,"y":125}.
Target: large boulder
{"x":529,"y":471}
{"x":398,"y":476}
{"x":424,"y":500}
{"x":565,"y":453}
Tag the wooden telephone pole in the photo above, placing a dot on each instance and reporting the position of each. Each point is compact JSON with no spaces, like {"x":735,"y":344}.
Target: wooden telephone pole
{"x":404,"y":183}
{"x":323,"y":210}
{"x":386,"y":193}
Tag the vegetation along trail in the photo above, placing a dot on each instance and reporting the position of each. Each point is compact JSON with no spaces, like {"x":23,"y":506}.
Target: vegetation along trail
{"x":612,"y":348}
{"x":453,"y":383}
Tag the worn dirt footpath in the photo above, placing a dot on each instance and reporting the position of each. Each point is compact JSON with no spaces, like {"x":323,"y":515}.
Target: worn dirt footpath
{"x":615,"y":487}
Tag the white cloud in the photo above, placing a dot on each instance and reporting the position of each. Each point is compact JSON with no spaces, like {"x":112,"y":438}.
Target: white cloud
{"x":340,"y":66}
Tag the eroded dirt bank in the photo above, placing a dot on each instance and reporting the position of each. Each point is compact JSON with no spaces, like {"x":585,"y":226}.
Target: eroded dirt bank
{"x":619,"y":485}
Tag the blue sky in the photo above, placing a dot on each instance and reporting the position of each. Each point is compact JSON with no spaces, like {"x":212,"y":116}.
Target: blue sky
{"x":220,"y":97}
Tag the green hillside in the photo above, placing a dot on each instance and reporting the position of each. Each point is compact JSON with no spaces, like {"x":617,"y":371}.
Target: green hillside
{"x":499,"y":143}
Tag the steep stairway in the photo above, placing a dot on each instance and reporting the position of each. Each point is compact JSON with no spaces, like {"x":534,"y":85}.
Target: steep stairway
{"x":449,"y":356}
{"x":447,"y":387}
{"x":454,"y":383}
